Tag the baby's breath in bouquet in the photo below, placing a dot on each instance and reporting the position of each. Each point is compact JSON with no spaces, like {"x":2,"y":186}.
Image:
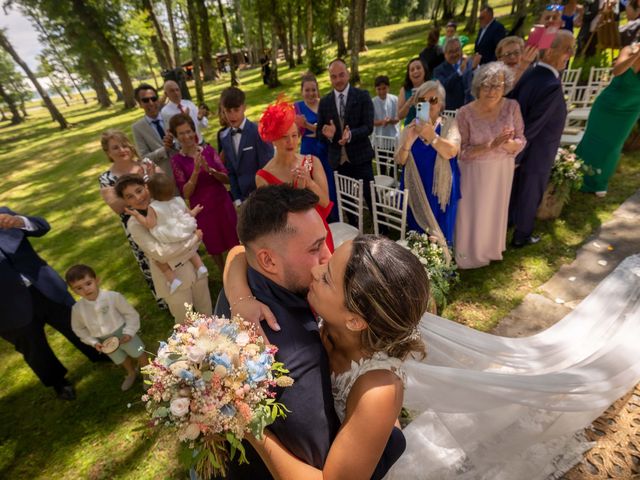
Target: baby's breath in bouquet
{"x":212,"y":383}
{"x":440,"y":268}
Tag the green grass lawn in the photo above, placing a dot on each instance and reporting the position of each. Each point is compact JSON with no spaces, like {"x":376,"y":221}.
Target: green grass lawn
{"x":54,"y":174}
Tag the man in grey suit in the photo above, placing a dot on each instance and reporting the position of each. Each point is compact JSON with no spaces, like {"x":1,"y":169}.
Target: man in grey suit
{"x":151,"y":136}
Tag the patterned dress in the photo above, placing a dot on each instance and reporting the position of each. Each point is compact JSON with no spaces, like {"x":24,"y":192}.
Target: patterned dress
{"x":108,"y":179}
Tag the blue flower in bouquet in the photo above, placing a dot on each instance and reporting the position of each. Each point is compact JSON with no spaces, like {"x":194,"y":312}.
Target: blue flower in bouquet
{"x":258,"y":369}
{"x":228,"y":410}
{"x":221,"y":360}
{"x":186,"y":375}
{"x":230,"y":330}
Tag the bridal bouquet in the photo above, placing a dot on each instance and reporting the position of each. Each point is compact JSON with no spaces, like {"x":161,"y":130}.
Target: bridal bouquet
{"x":441,"y":271}
{"x":212,"y":382}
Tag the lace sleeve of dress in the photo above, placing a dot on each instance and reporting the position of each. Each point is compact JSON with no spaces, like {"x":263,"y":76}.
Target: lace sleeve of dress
{"x":451,"y":131}
{"x":178,"y":173}
{"x":213,"y":159}
{"x":518,"y":125}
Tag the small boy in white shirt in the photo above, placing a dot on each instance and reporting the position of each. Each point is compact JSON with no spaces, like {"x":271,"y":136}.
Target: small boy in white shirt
{"x":385,"y":108}
{"x":100,"y":315}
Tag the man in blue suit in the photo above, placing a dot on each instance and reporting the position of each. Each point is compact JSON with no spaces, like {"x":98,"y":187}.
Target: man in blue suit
{"x":490,"y":34}
{"x":539,"y":93}
{"x":455,"y":74}
{"x":244,"y":151}
{"x":33,"y":294}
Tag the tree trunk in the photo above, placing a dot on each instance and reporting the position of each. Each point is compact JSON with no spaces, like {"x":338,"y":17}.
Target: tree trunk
{"x":97,"y":81}
{"x":174,"y":34}
{"x":299,"y":20}
{"x":338,"y":29}
{"x":157,"y":49}
{"x":232,"y":63}
{"x":58,"y":91}
{"x":471,"y":22}
{"x":246,"y":33}
{"x":363,"y":16}
{"x":150,"y":65}
{"x":114,"y":85}
{"x":434,"y":12}
{"x":354,"y":39}
{"x":55,"y":51}
{"x":3,"y":116}
{"x":273,"y":78}
{"x":292,"y":60}
{"x":17,"y":88}
{"x":205,"y":36}
{"x":160,"y":35}
{"x":55,"y":113}
{"x":464,"y":9}
{"x":448,"y":9}
{"x":192,"y":14}
{"x":6,"y":98}
{"x":281,"y":31}
{"x":88,"y":16}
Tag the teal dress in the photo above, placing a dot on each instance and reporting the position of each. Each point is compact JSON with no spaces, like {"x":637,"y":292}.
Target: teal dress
{"x":411,"y":114}
{"x":612,"y":117}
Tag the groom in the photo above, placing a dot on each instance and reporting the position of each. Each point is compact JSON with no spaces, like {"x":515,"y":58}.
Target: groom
{"x":284,"y":238}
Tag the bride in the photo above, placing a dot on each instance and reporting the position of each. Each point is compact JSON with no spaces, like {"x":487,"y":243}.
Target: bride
{"x":483,"y":407}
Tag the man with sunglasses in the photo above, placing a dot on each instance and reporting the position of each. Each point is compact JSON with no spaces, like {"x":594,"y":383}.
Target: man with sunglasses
{"x":150,"y":134}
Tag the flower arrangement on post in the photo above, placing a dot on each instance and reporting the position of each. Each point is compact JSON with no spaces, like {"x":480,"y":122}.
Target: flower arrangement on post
{"x":567,"y":174}
{"x":213,"y":382}
{"x":438,"y":263}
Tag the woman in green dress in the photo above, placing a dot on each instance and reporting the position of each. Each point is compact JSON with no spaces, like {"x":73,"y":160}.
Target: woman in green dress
{"x":612,"y":117}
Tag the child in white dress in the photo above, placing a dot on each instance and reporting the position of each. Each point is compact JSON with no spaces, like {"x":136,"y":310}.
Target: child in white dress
{"x":169,"y":220}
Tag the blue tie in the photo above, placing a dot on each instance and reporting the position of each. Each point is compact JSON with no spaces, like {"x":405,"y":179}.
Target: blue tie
{"x":159,"y":129}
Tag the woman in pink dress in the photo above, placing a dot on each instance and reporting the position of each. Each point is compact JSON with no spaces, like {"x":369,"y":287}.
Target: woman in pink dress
{"x":277,"y":125}
{"x":491,"y":131}
{"x":200,"y":177}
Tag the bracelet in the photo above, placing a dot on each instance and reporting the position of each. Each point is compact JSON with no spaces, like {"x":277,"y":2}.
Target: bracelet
{"x":241,"y":299}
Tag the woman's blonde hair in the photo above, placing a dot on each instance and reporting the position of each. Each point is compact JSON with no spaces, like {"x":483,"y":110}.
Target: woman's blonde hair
{"x":113,"y":134}
{"x":506,"y":41}
{"x":387,"y":286}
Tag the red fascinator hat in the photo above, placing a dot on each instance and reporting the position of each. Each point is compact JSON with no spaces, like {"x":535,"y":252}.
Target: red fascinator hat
{"x":276,"y":119}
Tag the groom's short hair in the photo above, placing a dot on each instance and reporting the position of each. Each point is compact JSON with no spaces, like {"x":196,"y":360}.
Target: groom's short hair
{"x":266,"y":211}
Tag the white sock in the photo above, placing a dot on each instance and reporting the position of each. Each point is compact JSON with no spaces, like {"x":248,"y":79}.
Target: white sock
{"x":202,"y":272}
{"x":173,"y":286}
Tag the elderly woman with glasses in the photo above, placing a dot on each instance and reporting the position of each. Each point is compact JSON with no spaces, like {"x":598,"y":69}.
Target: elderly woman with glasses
{"x":491,"y":133}
{"x":427,"y":148}
{"x":514,"y":54}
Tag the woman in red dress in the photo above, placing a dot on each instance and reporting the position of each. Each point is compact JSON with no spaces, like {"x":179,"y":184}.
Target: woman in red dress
{"x":277,"y":125}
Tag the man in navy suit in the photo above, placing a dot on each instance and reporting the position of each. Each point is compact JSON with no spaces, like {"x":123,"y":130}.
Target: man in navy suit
{"x":539,"y":93}
{"x":455,"y":74}
{"x":490,"y":34}
{"x":244,"y":151}
{"x":345,"y":121}
{"x":33,"y":294}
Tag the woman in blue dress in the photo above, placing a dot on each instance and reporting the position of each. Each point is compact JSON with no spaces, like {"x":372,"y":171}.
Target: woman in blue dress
{"x":307,"y":119}
{"x":428,"y":152}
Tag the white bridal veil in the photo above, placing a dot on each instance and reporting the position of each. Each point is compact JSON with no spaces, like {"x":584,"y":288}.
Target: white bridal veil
{"x":489,"y":407}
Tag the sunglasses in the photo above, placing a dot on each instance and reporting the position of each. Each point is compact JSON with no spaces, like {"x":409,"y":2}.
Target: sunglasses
{"x":149,"y":99}
{"x":432,"y":100}
{"x":554,"y":8}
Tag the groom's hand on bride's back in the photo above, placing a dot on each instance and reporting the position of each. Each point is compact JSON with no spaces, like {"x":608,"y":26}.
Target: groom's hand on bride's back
{"x":254,"y":311}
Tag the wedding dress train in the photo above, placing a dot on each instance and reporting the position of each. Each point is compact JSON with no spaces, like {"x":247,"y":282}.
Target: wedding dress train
{"x":490,"y":407}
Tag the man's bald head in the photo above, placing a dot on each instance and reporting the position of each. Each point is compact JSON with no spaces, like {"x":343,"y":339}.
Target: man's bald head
{"x":172,"y":91}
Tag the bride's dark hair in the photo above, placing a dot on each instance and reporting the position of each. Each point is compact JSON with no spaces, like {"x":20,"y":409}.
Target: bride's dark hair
{"x":388,"y":287}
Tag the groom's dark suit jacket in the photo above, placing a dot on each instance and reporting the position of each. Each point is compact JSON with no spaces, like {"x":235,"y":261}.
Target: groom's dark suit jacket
{"x":312,"y":423}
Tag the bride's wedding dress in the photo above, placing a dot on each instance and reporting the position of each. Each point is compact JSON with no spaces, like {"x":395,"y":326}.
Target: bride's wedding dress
{"x":489,"y":407}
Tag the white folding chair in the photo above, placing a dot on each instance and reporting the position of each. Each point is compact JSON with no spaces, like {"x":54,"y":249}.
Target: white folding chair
{"x":570,"y":78}
{"x":350,"y":195}
{"x":600,"y":77}
{"x":449,"y":113}
{"x":385,"y":168}
{"x":389,"y":208}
